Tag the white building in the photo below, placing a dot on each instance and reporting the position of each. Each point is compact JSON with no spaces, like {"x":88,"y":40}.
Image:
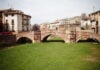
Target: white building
{"x":95,"y":21}
{"x":67,"y":23}
{"x":63,"y":24}
{"x":14,"y":21}
{"x":91,"y":22}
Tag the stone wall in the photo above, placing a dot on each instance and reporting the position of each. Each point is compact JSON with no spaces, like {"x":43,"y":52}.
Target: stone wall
{"x":6,"y":40}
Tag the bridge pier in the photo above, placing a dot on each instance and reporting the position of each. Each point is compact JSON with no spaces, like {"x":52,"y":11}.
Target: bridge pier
{"x":37,"y":37}
{"x":70,"y":36}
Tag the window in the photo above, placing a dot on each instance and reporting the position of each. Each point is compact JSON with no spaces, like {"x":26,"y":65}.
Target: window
{"x":13,"y":25}
{"x":6,"y":26}
{"x":56,"y":28}
{"x":6,"y":21}
{"x":23,"y":28}
{"x":12,"y":21}
{"x":1,"y":27}
{"x":27,"y":23}
{"x":87,"y":26}
{"x":82,"y":28}
{"x":27,"y":28}
{"x":12,"y":14}
{"x":6,"y":15}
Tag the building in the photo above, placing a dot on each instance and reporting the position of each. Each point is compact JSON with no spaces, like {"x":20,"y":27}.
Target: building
{"x":1,"y":22}
{"x":67,"y":23}
{"x":14,"y":21}
{"x":44,"y":26}
{"x":91,"y":22}
{"x":85,"y":22}
{"x":63,"y":24}
{"x":95,"y":21}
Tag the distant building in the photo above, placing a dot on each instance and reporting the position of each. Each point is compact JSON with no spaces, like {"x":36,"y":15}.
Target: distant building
{"x":63,"y":24}
{"x":89,"y":22}
{"x":85,"y":22}
{"x":44,"y":26}
{"x":95,"y":21}
{"x":14,"y":21}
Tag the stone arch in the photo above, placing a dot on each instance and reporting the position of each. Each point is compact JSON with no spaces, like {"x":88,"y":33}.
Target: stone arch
{"x":88,"y":40}
{"x":44,"y":38}
{"x":24,"y":40}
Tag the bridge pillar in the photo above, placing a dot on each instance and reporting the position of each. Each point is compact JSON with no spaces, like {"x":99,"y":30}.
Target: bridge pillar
{"x":37,"y":36}
{"x":70,"y":37}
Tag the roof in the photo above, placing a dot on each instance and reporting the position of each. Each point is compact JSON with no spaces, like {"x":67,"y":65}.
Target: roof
{"x":4,"y":10}
{"x":95,"y":12}
{"x":12,"y":11}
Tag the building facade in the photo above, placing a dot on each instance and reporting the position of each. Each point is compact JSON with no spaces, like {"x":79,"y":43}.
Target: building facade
{"x":14,"y":21}
{"x":1,"y":22}
{"x":65,"y":24}
{"x":92,"y":22}
{"x":95,"y":21}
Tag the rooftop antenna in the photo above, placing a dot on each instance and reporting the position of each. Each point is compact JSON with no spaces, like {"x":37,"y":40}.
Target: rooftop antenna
{"x":10,"y":6}
{"x":93,"y":8}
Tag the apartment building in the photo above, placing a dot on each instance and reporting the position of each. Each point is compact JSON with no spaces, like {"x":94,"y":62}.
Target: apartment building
{"x":14,"y":21}
{"x":95,"y":21}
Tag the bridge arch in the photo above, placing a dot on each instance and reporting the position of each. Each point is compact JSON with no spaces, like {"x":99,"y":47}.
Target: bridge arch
{"x":88,"y":40}
{"x":45,"y":37}
{"x":22,"y":40}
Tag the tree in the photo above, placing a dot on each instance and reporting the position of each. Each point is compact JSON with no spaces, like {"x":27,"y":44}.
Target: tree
{"x":36,"y":27}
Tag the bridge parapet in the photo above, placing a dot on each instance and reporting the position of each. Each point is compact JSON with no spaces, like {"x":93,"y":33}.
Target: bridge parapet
{"x":86,"y":34}
{"x":32,"y":35}
{"x":65,"y":35}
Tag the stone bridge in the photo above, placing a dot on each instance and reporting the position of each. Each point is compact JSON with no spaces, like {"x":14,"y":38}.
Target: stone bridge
{"x":66,"y":35}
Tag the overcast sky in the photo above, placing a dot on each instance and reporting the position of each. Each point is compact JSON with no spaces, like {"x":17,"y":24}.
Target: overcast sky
{"x":50,"y":10}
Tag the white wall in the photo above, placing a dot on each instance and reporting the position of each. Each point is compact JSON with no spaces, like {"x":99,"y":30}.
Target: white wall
{"x":19,"y":22}
{"x":9,"y":18}
{"x":18,"y":19}
{"x":84,"y":23}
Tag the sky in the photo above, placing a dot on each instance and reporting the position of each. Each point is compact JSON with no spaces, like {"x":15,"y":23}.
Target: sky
{"x":51,"y":10}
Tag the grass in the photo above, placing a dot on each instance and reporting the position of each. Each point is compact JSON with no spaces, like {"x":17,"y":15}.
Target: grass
{"x":54,"y":39}
{"x":51,"y":56}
